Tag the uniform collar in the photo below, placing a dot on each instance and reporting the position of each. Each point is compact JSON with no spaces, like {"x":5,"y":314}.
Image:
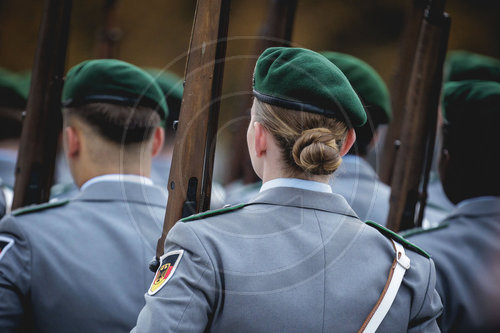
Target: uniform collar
{"x":130,"y":190}
{"x":355,"y":166}
{"x":118,"y":178}
{"x":479,"y":206}
{"x":301,"y":198}
{"x":296,"y":183}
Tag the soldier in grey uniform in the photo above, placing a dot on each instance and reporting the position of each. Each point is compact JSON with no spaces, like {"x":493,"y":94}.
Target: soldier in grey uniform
{"x":355,"y":179}
{"x":82,"y":265}
{"x":459,"y":66}
{"x":296,"y":258}
{"x":465,"y":245}
{"x":14,"y":88}
{"x":173,"y":88}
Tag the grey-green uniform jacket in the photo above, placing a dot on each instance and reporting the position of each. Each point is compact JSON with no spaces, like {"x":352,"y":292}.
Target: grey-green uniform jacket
{"x":466,"y":249}
{"x":80,"y":266}
{"x":291,"y":260}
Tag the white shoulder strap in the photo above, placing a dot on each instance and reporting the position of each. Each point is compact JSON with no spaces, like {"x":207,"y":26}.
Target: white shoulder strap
{"x":398,"y":269}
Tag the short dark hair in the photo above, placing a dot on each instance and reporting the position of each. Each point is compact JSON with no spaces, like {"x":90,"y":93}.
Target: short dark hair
{"x":11,"y":123}
{"x":365,"y":133}
{"x":118,"y":123}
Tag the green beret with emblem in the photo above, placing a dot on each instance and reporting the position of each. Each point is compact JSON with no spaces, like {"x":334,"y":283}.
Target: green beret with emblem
{"x":172,"y":87}
{"x":463,"y":65}
{"x":471,"y":102}
{"x":112,"y":81}
{"x":370,"y":87}
{"x":304,"y":80}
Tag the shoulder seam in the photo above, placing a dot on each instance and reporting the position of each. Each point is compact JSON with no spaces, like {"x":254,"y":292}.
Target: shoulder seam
{"x":418,"y":231}
{"x":39,"y":207}
{"x":209,"y":213}
{"x":389,"y":233}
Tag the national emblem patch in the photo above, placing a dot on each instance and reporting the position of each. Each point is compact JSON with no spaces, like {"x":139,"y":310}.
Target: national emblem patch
{"x":168,"y":265}
{"x":5,"y":244}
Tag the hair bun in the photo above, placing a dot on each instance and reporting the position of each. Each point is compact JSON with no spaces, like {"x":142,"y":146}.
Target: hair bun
{"x":316,"y":152}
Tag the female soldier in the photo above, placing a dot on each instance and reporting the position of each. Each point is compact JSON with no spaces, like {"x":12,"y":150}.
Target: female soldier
{"x":296,"y":258}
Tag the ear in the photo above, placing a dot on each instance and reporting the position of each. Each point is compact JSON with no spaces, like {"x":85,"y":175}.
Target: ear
{"x":158,"y":140}
{"x":348,"y":142}
{"x":72,"y":142}
{"x":260,"y":139}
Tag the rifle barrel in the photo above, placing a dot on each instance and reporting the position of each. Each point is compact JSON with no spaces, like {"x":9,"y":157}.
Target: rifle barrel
{"x":190,"y":178}
{"x":419,"y":125}
{"x":42,"y":125}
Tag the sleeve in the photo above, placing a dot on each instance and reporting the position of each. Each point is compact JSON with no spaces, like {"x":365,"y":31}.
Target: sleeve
{"x":431,"y":308}
{"x":184,"y":300}
{"x":15,"y":268}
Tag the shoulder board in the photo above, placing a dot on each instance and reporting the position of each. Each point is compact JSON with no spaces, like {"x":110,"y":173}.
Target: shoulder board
{"x":418,"y":231}
{"x":40,"y":207}
{"x":212,"y":213}
{"x":391,"y":234}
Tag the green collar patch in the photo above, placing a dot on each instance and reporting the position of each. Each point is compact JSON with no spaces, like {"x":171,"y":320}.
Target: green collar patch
{"x":40,"y":207}
{"x":418,"y":231}
{"x":391,"y":234}
{"x":212,"y":213}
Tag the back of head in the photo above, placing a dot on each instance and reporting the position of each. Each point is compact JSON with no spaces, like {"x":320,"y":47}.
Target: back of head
{"x":172,"y":87}
{"x":308,"y":105}
{"x":464,"y":65}
{"x":14,"y":89}
{"x":372,"y":91}
{"x":119,"y":101}
{"x":471,"y":112}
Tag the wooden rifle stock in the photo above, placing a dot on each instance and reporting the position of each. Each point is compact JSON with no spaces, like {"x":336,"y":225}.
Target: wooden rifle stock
{"x":190,"y":179}
{"x":42,"y":125}
{"x":399,"y":88}
{"x":414,"y":158}
{"x":276,"y":30}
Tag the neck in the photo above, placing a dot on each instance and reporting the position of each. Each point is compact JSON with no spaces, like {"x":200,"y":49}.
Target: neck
{"x":82,"y":172}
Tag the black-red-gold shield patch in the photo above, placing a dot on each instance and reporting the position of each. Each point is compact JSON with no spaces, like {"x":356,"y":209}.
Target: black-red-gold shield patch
{"x":168,"y":265}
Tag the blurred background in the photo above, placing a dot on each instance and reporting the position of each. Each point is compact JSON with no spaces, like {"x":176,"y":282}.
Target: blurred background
{"x":156,"y":33}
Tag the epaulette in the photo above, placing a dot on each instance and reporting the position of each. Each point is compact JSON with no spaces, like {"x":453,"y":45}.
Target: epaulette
{"x":391,"y":234}
{"x":212,"y":213}
{"x":40,"y":207}
{"x":417,"y":231}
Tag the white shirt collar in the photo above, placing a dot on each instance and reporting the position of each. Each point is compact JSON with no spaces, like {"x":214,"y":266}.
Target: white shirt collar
{"x":297,"y":183}
{"x":117,"y":178}
{"x":476,"y":199}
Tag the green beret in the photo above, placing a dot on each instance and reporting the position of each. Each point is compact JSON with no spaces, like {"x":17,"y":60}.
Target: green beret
{"x":13,"y":89}
{"x":463,"y":65}
{"x":172,"y":87}
{"x":112,"y":81}
{"x":367,"y":83}
{"x":303,"y":80}
{"x":471,"y":101}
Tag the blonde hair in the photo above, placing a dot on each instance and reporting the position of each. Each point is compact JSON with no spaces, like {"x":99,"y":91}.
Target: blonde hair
{"x":310,"y":143}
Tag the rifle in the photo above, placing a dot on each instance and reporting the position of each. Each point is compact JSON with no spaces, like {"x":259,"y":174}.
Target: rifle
{"x":110,"y":35}
{"x":399,"y":88}
{"x":43,"y":122}
{"x":276,"y":30}
{"x":190,"y":179}
{"x":414,"y":159}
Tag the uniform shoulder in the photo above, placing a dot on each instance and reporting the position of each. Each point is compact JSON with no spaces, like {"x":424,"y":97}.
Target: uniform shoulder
{"x":391,"y":234}
{"x":39,"y":207}
{"x":418,"y":231}
{"x":214,"y":212}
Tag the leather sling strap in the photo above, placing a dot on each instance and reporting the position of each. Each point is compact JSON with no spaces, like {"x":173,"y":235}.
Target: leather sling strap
{"x":399,"y":267}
